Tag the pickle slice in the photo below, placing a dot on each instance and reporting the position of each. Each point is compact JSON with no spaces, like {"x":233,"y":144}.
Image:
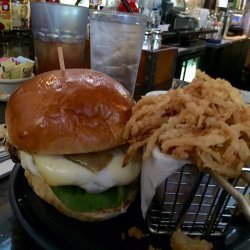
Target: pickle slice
{"x":94,"y":162}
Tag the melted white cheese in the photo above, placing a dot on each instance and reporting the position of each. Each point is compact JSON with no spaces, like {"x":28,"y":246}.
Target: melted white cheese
{"x":28,"y":163}
{"x":58,"y":171}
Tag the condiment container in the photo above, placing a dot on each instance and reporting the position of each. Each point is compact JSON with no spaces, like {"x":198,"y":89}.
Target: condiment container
{"x":157,"y":37}
{"x":148,"y":39}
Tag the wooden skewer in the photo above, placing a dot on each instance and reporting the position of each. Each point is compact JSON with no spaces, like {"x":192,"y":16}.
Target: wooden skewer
{"x":60,"y":57}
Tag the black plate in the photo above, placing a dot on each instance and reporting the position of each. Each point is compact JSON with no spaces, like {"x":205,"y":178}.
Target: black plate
{"x":51,"y":230}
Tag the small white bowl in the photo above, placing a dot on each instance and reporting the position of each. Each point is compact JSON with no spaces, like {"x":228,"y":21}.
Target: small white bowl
{"x":9,"y":85}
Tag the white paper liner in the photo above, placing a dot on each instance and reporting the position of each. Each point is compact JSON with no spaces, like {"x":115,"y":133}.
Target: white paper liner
{"x":154,"y":171}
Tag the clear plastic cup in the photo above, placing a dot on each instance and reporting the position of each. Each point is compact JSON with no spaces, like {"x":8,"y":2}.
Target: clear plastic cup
{"x":116,"y":40}
{"x":58,"y":25}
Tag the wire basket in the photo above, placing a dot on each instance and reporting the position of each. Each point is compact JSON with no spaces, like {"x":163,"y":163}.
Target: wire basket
{"x":192,"y":200}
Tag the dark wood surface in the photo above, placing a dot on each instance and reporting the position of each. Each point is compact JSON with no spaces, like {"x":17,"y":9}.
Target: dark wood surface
{"x":226,"y":61}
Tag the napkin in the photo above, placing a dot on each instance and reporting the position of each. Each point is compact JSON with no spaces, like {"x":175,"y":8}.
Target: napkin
{"x":154,"y":171}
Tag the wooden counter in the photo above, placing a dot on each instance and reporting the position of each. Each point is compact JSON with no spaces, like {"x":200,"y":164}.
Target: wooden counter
{"x":156,"y":70}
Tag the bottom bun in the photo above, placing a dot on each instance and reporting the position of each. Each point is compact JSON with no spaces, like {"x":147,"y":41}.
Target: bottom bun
{"x":44,"y":191}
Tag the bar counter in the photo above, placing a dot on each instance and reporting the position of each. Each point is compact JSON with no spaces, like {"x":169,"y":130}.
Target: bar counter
{"x":227,"y":42}
{"x":227,"y":60}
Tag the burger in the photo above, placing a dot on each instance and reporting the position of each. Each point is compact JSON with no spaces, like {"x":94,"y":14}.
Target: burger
{"x":66,"y":128}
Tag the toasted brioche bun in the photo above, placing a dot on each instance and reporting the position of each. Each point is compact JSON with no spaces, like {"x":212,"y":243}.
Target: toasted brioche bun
{"x":43,"y":190}
{"x":68,"y":112}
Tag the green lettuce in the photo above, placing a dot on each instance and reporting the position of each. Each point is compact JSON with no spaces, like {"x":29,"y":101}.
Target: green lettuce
{"x":78,"y":200}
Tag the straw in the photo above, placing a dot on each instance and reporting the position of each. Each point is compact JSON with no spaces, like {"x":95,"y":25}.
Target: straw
{"x":60,"y":57}
{"x":129,"y":9}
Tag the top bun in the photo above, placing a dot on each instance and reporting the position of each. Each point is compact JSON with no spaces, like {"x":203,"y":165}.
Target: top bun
{"x":68,"y":112}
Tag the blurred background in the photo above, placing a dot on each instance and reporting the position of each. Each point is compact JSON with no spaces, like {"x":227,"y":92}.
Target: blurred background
{"x":207,"y":34}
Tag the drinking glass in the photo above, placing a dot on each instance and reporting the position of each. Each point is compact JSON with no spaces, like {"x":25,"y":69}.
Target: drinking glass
{"x":58,"y":25}
{"x":116,"y":40}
